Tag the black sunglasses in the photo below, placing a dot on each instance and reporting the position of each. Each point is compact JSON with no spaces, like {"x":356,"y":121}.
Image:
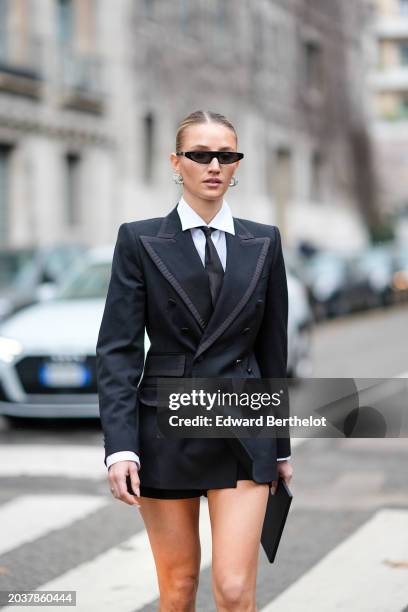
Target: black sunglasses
{"x":205,"y":157}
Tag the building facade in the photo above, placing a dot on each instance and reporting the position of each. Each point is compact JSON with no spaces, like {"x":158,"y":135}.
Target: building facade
{"x":58,"y":150}
{"x":91,"y":93}
{"x":389,"y":109}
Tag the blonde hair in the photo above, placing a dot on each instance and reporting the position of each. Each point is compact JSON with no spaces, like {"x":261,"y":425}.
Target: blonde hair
{"x":201,"y":116}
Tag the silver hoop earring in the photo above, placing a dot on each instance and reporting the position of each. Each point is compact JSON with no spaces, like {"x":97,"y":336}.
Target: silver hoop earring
{"x":178,"y":179}
{"x":233,"y":182}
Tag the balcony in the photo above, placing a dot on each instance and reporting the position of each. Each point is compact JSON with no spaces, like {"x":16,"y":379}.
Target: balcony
{"x":20,"y":63}
{"x":80,"y":81}
{"x":390,"y":79}
{"x":393,"y":27}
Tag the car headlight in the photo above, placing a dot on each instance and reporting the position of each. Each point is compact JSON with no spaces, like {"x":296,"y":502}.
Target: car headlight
{"x":9,"y":348}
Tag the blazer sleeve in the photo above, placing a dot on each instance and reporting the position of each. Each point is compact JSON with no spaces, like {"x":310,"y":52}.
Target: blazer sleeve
{"x":271,"y":345}
{"x":120,"y":347}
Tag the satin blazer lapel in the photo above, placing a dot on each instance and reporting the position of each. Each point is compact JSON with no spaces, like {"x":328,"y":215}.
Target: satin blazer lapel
{"x":245,"y":259}
{"x":175,"y":255}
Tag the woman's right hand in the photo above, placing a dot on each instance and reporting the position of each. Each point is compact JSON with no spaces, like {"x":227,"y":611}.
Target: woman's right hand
{"x":117,"y":481}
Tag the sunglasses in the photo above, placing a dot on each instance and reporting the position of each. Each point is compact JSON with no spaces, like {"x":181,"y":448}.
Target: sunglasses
{"x":205,"y":157}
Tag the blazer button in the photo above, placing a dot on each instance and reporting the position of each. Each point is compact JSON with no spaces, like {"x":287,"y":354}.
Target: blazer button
{"x":249,"y":370}
{"x":246,"y":330}
{"x":237,"y":361}
{"x":185,"y":329}
{"x":172,"y":301}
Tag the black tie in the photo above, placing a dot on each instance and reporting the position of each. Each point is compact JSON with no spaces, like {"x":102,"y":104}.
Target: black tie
{"x":213,"y":264}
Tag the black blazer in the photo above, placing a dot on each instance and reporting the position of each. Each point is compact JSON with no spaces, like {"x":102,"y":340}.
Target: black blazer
{"x":158,"y":281}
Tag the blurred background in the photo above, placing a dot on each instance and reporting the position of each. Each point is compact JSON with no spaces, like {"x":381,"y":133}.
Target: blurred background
{"x":91,"y":93}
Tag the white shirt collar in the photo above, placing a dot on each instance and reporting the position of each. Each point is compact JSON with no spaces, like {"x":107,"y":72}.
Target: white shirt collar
{"x":223,"y":220}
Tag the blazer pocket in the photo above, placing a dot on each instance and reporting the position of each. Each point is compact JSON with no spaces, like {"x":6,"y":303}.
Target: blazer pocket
{"x":147,"y":395}
{"x":169,"y":364}
{"x":157,"y":366}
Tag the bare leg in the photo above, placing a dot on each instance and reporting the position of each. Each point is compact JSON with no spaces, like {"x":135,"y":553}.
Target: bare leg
{"x":236,"y":521}
{"x":172,"y":528}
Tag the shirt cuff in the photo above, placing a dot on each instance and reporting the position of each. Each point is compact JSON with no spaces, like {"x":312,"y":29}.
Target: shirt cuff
{"x":122,"y":456}
{"x":282,"y":458}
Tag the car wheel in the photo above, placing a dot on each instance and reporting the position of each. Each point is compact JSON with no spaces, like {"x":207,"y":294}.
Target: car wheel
{"x":14,"y":421}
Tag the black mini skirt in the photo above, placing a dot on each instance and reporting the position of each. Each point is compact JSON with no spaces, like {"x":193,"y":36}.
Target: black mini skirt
{"x":155,"y":493}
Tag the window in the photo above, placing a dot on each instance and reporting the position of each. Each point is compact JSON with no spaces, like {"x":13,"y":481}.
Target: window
{"x":85,"y":29}
{"x":148,"y":148}
{"x":21,"y":34}
{"x":3,"y":10}
{"x":258,"y":41}
{"x":65,"y":21}
{"x":149,"y":8}
{"x":283,"y":176}
{"x":313,"y":65}
{"x":404,"y":106}
{"x":3,"y":29}
{"x":279,"y":178}
{"x":316,"y":182}
{"x":72,"y":188}
{"x":5,"y":153}
{"x":15,"y":36}
{"x":404,"y":53}
{"x":403,"y":4}
{"x":221,"y":16}
{"x":184,"y":15}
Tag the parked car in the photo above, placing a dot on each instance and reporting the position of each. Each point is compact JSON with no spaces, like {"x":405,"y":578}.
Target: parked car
{"x":375,"y":267}
{"x":301,"y":318}
{"x":327,"y":275}
{"x":47,"y":350}
{"x":338,"y":286}
{"x":300,"y":328}
{"x":28,"y":274}
{"x":400,"y":273}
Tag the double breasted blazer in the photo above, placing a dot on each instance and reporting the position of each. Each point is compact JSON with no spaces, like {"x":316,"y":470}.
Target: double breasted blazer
{"x":158,"y":282}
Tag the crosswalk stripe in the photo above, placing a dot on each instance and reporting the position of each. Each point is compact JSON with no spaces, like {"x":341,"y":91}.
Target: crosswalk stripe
{"x":73,"y":461}
{"x":124,"y":577}
{"x":365,"y":573}
{"x":298,"y":441}
{"x":127,"y":572}
{"x":29,"y":517}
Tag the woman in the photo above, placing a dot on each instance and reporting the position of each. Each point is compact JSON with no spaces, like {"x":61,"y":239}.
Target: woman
{"x":214,"y":304}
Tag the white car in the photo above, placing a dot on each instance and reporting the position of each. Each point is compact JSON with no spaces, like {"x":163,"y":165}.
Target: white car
{"x":300,"y":325}
{"x":47,"y":350}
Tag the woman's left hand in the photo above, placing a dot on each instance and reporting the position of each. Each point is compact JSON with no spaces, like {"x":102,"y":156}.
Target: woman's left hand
{"x":285,"y":470}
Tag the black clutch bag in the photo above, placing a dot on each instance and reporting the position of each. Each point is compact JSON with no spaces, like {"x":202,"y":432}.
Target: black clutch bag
{"x":277,"y":510}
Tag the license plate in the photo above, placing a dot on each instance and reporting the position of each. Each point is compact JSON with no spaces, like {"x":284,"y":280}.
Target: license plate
{"x":64,"y":375}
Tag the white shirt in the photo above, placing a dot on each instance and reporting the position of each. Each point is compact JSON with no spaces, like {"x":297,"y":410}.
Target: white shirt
{"x":223,"y":222}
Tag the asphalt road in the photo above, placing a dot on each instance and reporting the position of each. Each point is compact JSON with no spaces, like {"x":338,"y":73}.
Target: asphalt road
{"x":345,"y":546}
